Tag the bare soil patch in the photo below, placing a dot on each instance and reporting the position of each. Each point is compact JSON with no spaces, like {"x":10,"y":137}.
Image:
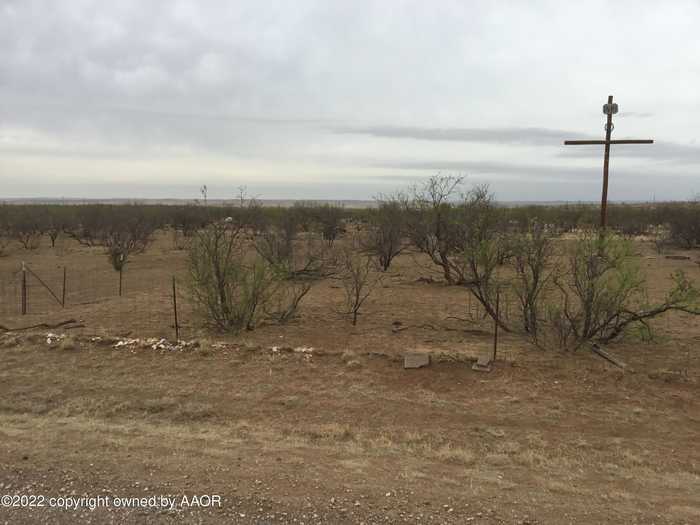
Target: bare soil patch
{"x":342,"y":433}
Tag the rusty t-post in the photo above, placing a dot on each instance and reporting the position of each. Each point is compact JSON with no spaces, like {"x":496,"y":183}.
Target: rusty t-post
{"x":495,"y":324}
{"x":63,"y":290}
{"x":24,"y":289}
{"x":177,"y":325}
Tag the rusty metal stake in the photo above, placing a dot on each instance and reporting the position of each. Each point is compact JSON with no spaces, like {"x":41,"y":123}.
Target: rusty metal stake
{"x":63,"y":291}
{"x":177,"y":326}
{"x":24,"y":289}
{"x":495,"y":325}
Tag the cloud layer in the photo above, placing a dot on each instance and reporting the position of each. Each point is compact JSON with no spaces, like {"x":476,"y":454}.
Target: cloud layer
{"x":343,"y":98}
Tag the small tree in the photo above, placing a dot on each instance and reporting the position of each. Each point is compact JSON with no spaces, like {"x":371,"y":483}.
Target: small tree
{"x":431,"y":227}
{"x":482,"y":245}
{"x":359,"y":278}
{"x":5,"y":229}
{"x":235,"y":292}
{"x":51,"y":220}
{"x":330,"y":222}
{"x":128,"y":230}
{"x":684,"y":223}
{"x":661,"y":238}
{"x":604,"y":292}
{"x":384,"y":239}
{"x":288,"y":294}
{"x":185,"y":221}
{"x":88,"y":223}
{"x":26,"y":227}
{"x":533,"y":272}
{"x":275,"y":243}
{"x":228,"y":291}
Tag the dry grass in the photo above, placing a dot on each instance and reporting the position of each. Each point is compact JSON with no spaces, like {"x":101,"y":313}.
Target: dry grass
{"x":541,"y":435}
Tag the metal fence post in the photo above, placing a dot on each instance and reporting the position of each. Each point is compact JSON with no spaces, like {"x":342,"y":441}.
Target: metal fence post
{"x":177,"y":326}
{"x":63,"y":291}
{"x":24,"y":289}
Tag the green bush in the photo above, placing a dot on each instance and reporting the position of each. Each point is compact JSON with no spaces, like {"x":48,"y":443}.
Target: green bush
{"x":604,"y":292}
{"x":235,"y":290}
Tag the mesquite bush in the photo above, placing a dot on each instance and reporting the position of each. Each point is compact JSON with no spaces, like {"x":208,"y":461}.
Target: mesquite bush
{"x":604,"y":292}
{"x":234,"y":287}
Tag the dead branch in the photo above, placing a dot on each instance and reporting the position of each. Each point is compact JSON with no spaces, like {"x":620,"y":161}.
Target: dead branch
{"x":62,"y":324}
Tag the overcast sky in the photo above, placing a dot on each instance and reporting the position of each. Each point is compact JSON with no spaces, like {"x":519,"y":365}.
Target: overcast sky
{"x":345,"y":99}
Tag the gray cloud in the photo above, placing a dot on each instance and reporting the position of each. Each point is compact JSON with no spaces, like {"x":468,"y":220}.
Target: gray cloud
{"x":296,"y":93}
{"x":637,"y":114}
{"x":506,"y":135}
{"x":662,"y":151}
{"x":510,"y":171}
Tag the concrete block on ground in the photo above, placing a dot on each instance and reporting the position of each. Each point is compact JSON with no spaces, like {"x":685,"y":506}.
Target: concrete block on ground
{"x":483,"y":364}
{"x":416,"y":360}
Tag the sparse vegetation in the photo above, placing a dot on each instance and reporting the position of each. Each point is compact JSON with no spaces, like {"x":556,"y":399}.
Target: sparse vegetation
{"x":286,"y":352}
{"x":604,"y":292}
{"x":385,"y":238}
{"x":431,"y":227}
{"x":358,"y":275}
{"x":473,"y":243}
{"x":534,"y":269}
{"x":229,"y":290}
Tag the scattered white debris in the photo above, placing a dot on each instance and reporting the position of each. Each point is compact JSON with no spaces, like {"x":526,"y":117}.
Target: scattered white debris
{"x":160,"y":344}
{"x":307,"y":350}
{"x":155,"y":343}
{"x":54,"y":338}
{"x":126,"y":342}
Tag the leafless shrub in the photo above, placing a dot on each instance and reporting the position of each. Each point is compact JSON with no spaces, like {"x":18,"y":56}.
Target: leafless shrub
{"x":285,"y":300}
{"x":661,"y":239}
{"x":681,"y":221}
{"x":430,"y":227}
{"x":5,"y":229}
{"x":88,"y":224}
{"x":4,"y":242}
{"x":25,"y":226}
{"x":359,"y":276}
{"x":329,"y":220}
{"x":384,"y":238}
{"x":275,"y":243}
{"x":185,"y":222}
{"x":482,"y":245}
{"x":532,"y":263}
{"x":125,"y":233}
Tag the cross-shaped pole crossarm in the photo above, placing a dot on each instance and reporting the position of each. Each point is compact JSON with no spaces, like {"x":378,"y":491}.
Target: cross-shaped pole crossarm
{"x":609,"y":109}
{"x":592,"y":142}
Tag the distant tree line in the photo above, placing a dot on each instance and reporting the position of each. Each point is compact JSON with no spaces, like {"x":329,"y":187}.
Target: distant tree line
{"x":394,"y":220}
{"x":250,"y":262}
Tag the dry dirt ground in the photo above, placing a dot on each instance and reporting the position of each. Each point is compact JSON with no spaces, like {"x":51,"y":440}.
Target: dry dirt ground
{"x":318,"y":422}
